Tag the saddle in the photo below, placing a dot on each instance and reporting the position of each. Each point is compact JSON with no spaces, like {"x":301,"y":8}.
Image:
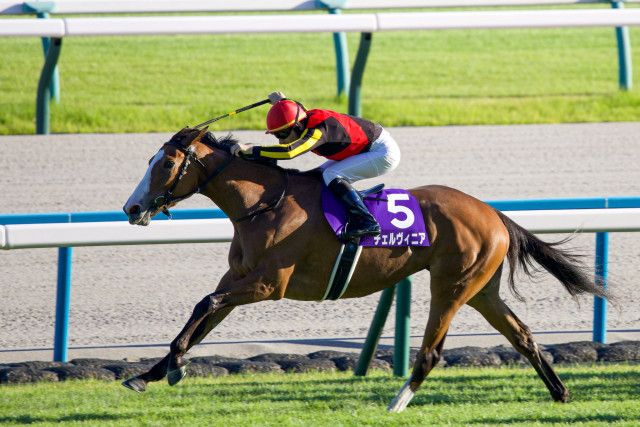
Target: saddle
{"x":400,"y":219}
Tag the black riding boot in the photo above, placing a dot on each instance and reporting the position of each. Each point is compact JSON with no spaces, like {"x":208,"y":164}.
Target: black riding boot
{"x":359,"y":221}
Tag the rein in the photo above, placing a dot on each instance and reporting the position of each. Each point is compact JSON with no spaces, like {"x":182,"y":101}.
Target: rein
{"x":168,"y":197}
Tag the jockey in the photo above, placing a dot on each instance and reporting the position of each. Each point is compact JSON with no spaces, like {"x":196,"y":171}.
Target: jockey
{"x":356,"y":148}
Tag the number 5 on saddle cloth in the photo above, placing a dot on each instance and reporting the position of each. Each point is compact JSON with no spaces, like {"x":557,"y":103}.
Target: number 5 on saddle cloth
{"x":401,"y":224}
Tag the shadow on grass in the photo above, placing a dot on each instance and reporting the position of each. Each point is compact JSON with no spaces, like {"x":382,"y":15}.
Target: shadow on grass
{"x":458,"y":389}
{"x":570,"y":418}
{"x":31,"y":419}
{"x":609,"y":376}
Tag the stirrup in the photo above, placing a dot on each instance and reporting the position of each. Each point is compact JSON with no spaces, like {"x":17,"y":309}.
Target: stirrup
{"x":373,"y":190}
{"x":348,"y":235}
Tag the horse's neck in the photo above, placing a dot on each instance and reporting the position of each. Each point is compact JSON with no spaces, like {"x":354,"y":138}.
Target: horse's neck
{"x":243,"y":186}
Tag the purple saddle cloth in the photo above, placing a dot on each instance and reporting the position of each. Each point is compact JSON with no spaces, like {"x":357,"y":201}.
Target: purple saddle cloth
{"x":397,"y":212}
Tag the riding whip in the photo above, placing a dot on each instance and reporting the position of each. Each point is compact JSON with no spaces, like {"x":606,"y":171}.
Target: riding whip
{"x":239,"y":110}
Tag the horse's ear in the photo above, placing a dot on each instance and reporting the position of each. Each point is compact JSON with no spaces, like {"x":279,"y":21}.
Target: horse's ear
{"x":202,"y":133}
{"x":177,"y":137}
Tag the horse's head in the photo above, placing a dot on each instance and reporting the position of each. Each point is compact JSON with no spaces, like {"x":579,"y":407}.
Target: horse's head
{"x":176,"y":172}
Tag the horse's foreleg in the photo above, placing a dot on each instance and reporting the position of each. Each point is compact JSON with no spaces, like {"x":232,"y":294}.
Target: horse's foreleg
{"x":159,"y":370}
{"x":210,"y":311}
{"x":198,"y":328}
{"x":207,"y":314}
{"x":211,"y":321}
{"x":156,"y":373}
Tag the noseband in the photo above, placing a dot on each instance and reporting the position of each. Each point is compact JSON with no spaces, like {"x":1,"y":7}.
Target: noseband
{"x":168,"y":197}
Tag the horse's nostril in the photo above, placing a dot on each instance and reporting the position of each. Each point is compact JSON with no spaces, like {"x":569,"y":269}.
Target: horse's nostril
{"x":134,"y":210}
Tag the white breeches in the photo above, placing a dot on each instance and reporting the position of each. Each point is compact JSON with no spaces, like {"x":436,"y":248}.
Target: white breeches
{"x":383,"y":157}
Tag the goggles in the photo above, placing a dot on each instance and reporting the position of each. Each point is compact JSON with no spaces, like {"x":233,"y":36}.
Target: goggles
{"x":283,"y":134}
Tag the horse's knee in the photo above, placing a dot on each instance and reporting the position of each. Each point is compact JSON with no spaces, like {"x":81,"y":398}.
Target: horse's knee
{"x":207,"y":305}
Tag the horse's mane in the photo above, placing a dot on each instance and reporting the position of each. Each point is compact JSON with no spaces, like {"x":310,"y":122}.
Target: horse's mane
{"x":226,"y":142}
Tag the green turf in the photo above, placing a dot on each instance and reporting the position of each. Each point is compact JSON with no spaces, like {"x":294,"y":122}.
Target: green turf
{"x":141,"y":84}
{"x":601,"y":395}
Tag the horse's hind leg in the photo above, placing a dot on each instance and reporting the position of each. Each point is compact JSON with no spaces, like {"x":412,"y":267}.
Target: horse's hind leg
{"x":498,"y":314}
{"x":425,"y":362}
{"x":446,"y":299}
{"x":444,"y":305}
{"x":457,"y":274}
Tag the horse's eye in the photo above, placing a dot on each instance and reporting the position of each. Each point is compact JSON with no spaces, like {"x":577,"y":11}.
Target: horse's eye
{"x":168,"y":164}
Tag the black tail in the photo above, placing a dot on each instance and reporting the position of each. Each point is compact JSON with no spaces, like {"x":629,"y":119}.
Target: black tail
{"x":568,"y":268}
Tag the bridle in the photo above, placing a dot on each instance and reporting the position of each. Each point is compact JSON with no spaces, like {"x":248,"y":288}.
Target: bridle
{"x":161,"y":202}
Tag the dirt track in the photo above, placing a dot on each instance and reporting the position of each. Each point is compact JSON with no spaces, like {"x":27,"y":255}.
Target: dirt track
{"x":144,"y":294}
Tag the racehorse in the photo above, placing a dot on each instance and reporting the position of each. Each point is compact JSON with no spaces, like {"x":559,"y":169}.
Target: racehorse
{"x":283,"y":248}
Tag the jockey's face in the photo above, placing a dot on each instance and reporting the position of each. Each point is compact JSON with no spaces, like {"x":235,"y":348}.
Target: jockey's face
{"x":293,"y":135}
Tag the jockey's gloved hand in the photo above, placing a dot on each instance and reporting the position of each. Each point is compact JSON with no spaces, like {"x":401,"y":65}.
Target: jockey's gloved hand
{"x":276,"y":96}
{"x":242,"y":150}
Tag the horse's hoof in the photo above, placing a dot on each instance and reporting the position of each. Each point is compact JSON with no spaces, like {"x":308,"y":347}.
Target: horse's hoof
{"x":562,"y":397}
{"x":135,"y":384}
{"x":402,"y":399}
{"x":176,"y":375}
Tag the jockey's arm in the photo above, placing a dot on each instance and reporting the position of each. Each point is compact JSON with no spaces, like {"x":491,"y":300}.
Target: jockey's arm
{"x":310,"y":139}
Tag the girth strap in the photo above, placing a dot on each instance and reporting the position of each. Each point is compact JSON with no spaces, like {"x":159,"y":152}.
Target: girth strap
{"x":343,"y":269}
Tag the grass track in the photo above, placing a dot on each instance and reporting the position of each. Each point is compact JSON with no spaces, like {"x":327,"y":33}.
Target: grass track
{"x":141,"y":84}
{"x":601,"y":395}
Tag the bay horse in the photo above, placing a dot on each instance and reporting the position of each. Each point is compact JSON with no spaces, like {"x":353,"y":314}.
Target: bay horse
{"x":283,"y":248}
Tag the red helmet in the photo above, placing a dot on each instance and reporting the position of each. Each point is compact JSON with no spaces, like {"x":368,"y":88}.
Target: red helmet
{"x":283,"y":115}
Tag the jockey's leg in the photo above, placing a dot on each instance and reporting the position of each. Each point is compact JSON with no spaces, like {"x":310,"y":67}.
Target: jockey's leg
{"x":382,"y":157}
{"x":360,"y":222}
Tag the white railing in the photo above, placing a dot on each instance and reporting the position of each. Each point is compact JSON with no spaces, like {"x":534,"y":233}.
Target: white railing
{"x":11,"y":7}
{"x":22,"y":236}
{"x":357,"y":22}
{"x":66,"y":235}
{"x":581,"y":220}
